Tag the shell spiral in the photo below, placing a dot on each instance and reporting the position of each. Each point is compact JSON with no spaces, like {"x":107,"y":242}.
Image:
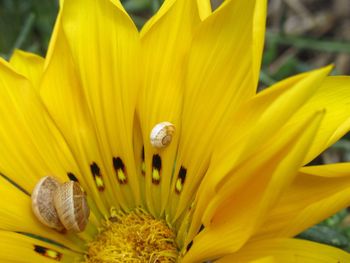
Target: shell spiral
{"x":43,"y":204}
{"x":60,"y":206}
{"x":71,"y":205}
{"x":162,"y":134}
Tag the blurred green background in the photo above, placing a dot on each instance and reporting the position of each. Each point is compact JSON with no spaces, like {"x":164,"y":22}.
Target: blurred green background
{"x":301,"y":35}
{"x":26,"y":24}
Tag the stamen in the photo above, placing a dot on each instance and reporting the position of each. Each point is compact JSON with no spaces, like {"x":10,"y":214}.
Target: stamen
{"x":156,"y":168}
{"x":49,"y":253}
{"x":133,"y":237}
{"x":96,"y":173}
{"x":180,"y":180}
{"x":119,"y":168}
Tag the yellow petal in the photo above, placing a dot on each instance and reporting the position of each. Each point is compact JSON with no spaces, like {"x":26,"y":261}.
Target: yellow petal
{"x":104,"y":45}
{"x":162,"y":90}
{"x":31,"y":145}
{"x":288,"y":251}
{"x":28,"y":65}
{"x":60,"y":86}
{"x":317,"y":193}
{"x":163,"y":10}
{"x":204,"y":8}
{"x":261,"y":117}
{"x":217,"y":81}
{"x":15,"y":247}
{"x":334,"y":96}
{"x":252,"y":188}
{"x":16,"y":215}
{"x":65,"y":100}
{"x":268,"y":112}
{"x":329,"y":170}
{"x":258,"y":34}
{"x":229,"y":259}
{"x":259,"y":24}
{"x":268,"y":259}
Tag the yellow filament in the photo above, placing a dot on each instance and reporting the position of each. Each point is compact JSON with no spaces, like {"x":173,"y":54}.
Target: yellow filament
{"x":133,"y":237}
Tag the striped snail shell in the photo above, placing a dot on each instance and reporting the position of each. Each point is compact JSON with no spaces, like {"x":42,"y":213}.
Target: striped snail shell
{"x":60,"y":206}
{"x":71,"y":206}
{"x":42,"y":202}
{"x":162,"y":134}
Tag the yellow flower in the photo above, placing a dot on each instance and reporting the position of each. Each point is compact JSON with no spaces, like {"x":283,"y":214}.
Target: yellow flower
{"x":230,"y":186}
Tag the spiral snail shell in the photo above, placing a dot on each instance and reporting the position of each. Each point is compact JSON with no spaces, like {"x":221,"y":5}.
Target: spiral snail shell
{"x":71,"y":206}
{"x":162,"y":134}
{"x":60,"y":206}
{"x":42,"y":202}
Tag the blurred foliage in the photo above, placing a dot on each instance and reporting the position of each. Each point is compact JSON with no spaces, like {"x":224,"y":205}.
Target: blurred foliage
{"x":334,"y":231}
{"x":301,"y":35}
{"x":141,"y":10}
{"x":26,"y":25}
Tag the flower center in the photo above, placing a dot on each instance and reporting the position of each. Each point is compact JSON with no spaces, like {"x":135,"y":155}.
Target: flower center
{"x":133,"y":237}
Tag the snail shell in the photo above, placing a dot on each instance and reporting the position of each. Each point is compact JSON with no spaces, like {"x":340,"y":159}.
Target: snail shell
{"x":162,"y":134}
{"x":71,"y":206}
{"x":43,"y":204}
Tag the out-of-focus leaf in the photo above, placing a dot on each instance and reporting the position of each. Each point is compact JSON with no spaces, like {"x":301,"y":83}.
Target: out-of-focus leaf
{"x":286,"y":69}
{"x":46,"y":12}
{"x":309,"y":43}
{"x":336,"y":219}
{"x":270,"y":53}
{"x":137,"y":5}
{"x":326,"y":235}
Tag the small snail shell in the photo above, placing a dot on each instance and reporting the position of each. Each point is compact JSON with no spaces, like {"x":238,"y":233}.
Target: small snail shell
{"x":71,"y":206}
{"x":162,"y":134}
{"x":42,"y":202}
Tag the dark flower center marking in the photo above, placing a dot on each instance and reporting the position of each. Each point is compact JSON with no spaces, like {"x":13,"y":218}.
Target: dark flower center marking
{"x":181,"y":177}
{"x":189,"y":246}
{"x":143,"y":164}
{"x":156,"y":168}
{"x":72,"y":177}
{"x":96,"y":173}
{"x":49,"y":253}
{"x":120,"y":171}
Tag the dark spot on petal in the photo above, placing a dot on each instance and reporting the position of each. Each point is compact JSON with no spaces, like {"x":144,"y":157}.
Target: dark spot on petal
{"x":157,"y":162}
{"x":189,"y":246}
{"x":49,"y":253}
{"x":72,"y":177}
{"x":143,"y":153}
{"x":143,"y":165}
{"x":118,"y":163}
{"x":94,"y":168}
{"x":96,"y":173}
{"x":181,"y":177}
{"x":156,"y":168}
{"x":120,"y":170}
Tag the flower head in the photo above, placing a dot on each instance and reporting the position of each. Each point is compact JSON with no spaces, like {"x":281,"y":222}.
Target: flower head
{"x":229,"y":184}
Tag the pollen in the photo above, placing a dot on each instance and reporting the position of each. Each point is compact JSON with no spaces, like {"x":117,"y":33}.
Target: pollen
{"x":133,"y":237}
